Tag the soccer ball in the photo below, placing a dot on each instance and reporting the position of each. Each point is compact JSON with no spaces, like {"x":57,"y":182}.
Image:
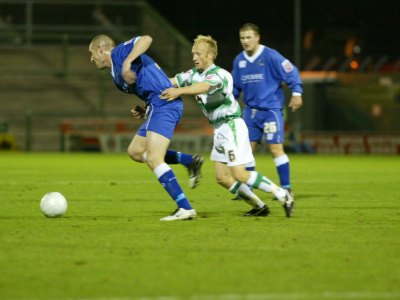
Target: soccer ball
{"x":53,"y":204}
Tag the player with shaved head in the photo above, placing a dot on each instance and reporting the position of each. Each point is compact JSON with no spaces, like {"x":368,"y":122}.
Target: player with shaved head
{"x":134,"y":72}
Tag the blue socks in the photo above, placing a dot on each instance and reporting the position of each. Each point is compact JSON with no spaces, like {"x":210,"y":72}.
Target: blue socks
{"x":282,"y":166}
{"x":173,"y":157}
{"x":168,"y":180}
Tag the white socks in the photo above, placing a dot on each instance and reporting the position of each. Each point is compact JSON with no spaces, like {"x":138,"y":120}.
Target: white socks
{"x":246,"y":193}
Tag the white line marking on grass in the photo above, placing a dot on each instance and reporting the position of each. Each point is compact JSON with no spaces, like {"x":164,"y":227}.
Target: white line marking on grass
{"x":83,"y":182}
{"x":271,"y":296}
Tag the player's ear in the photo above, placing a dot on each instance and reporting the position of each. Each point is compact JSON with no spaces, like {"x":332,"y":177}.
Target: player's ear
{"x":100,"y":48}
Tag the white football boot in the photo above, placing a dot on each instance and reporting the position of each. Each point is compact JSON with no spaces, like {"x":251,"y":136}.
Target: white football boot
{"x":180,"y":214}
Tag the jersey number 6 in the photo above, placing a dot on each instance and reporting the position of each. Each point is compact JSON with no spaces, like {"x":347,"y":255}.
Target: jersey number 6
{"x":231,"y":155}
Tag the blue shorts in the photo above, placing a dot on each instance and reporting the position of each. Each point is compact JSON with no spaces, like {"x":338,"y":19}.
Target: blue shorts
{"x":265,"y":122}
{"x":162,"y":119}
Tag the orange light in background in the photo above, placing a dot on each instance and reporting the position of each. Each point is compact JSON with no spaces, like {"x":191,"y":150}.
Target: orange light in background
{"x":308,"y":39}
{"x":354,"y":64}
{"x":376,"y":110}
{"x":348,"y":48}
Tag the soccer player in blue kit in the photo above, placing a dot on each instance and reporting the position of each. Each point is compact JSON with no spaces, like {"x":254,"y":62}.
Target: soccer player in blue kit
{"x":134,"y":72}
{"x":258,"y":72}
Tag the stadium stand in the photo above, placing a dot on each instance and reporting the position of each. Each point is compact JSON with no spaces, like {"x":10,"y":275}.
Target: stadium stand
{"x":46,"y":75}
{"x":46,"y":79}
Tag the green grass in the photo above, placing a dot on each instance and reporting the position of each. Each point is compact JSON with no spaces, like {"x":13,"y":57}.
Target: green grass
{"x":342,"y":242}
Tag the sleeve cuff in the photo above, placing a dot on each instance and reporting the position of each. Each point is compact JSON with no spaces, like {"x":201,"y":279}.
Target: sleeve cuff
{"x":296,"y":94}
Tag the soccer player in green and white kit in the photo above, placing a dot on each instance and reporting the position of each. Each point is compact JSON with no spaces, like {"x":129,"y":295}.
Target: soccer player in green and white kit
{"x":212,"y":87}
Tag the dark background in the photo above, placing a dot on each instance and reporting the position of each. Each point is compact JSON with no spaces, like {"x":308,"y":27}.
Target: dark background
{"x":328,"y":29}
{"x":373,"y":24}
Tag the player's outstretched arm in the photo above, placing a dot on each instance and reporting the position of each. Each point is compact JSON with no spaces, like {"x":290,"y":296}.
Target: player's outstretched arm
{"x":173,"y":81}
{"x":194,"y":89}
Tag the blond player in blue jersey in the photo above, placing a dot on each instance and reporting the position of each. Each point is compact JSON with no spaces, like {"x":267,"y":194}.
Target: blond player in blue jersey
{"x":258,"y":73}
{"x":212,"y":87}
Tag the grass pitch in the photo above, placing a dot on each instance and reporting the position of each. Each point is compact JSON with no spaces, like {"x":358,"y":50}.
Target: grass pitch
{"x":342,"y":243}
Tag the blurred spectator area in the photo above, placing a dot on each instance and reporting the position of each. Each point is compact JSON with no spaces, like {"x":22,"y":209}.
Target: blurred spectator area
{"x":46,"y":75}
{"x":344,"y":50}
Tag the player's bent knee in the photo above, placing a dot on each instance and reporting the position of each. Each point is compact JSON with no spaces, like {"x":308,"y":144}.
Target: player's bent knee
{"x":225,"y":181}
{"x":219,"y":180}
{"x":241,"y":175}
{"x":135,"y":155}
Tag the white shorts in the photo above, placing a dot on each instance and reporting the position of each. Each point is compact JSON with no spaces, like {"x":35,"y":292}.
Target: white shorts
{"x":232,"y":144}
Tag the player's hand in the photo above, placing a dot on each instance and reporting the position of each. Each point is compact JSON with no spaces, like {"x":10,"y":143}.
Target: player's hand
{"x":138,"y":112}
{"x":170,"y":94}
{"x":127,"y":74}
{"x":296,"y":102}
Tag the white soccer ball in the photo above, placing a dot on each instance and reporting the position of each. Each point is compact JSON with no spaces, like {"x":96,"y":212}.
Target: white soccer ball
{"x":53,"y":204}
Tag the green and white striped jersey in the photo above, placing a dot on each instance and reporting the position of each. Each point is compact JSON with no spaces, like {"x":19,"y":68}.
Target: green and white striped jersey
{"x":219,"y":104}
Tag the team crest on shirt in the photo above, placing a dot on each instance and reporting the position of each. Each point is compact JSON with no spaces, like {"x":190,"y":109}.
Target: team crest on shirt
{"x":287,"y":66}
{"x":209,"y":77}
{"x":242,"y":64}
{"x":260,"y":62}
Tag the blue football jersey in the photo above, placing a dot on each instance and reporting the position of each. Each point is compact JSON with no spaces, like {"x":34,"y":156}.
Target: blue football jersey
{"x":260,"y":78}
{"x":151,"y":79}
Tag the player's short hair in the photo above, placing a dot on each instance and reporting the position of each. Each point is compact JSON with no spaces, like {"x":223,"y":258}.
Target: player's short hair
{"x":209,"y":41}
{"x":250,"y":26}
{"x":102,"y":40}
